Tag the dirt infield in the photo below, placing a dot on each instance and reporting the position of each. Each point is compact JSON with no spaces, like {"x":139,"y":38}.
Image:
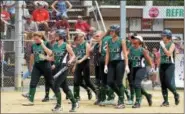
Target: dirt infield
{"x":11,"y":103}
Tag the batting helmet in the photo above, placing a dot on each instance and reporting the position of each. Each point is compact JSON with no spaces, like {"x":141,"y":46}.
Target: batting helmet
{"x":62,"y":33}
{"x":167,"y":33}
{"x":115,"y":28}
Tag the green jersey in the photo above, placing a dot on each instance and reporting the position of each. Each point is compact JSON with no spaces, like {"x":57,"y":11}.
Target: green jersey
{"x":81,"y":50}
{"x":59,"y":53}
{"x":38,"y":51}
{"x":104,"y":45}
{"x":137,"y":57}
{"x":164,"y":57}
{"x":115,"y":50}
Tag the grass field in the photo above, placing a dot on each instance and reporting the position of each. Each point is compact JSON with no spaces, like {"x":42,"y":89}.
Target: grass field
{"x":11,"y":102}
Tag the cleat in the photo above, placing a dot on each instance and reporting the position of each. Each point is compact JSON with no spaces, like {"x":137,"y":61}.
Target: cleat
{"x":120,"y":106}
{"x":136,"y":105}
{"x":74,"y":107}
{"x":89,"y":94}
{"x":57,"y":109}
{"x":28,"y":103}
{"x":165,"y":104}
{"x":26,"y":95}
{"x":177,"y":99}
{"x":149,"y":99}
{"x":130,"y":102}
{"x":46,"y":99}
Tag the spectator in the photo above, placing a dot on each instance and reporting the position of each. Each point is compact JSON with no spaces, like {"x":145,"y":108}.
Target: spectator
{"x":25,"y":9}
{"x":44,"y":3}
{"x":29,"y":27}
{"x":10,"y":6}
{"x":63,"y":24}
{"x":5,"y":17}
{"x":62,"y":7}
{"x":179,"y":45}
{"x":82,"y":25}
{"x":41,"y":17}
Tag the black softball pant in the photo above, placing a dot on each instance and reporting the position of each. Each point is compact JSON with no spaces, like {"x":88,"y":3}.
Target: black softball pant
{"x":97,"y":75}
{"x":104,"y":88}
{"x":115,"y":75}
{"x":39,"y":69}
{"x":61,"y":80}
{"x":138,"y":74}
{"x":167,"y":78}
{"x":85,"y":68}
{"x":103,"y":76}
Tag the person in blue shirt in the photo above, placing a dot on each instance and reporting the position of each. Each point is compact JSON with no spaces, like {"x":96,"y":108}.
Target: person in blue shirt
{"x":61,"y":7}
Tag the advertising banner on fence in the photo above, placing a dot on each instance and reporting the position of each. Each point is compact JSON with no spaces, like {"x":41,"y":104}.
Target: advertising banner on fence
{"x":163,"y":12}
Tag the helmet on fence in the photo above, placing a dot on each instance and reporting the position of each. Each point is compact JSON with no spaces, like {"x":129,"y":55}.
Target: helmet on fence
{"x":167,"y":33}
{"x":61,"y":33}
{"x":115,"y":28}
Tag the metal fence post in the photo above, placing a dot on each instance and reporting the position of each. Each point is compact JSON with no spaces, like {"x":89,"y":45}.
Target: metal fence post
{"x":18,"y":50}
{"x":123,"y":19}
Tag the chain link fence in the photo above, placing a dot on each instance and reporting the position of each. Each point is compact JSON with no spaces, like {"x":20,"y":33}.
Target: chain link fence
{"x":135,"y":23}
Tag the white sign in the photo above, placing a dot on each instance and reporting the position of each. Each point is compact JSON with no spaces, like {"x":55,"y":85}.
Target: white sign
{"x":179,"y":70}
{"x":163,"y":12}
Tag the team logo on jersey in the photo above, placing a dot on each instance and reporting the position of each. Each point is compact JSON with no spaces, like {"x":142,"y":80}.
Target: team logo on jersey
{"x":137,"y":58}
{"x":60,"y":53}
{"x":81,"y":52}
{"x":38,"y":52}
{"x":115,"y":50}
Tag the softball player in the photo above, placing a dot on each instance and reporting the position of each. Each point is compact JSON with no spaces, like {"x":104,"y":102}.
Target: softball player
{"x":129,"y":76}
{"x":104,"y":88}
{"x":115,"y":65}
{"x":83,"y":52}
{"x":138,"y":55}
{"x":82,"y":84}
{"x":61,"y":50}
{"x":167,"y":67}
{"x":41,"y":66}
{"x":94,"y":43}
